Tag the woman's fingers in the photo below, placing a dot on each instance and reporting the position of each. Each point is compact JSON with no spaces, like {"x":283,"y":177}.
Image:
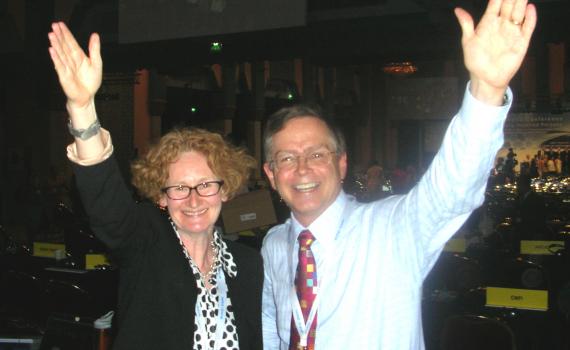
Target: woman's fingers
{"x":56,"y":41}
{"x":95,"y":51}
{"x":58,"y":65}
{"x":70,"y":45}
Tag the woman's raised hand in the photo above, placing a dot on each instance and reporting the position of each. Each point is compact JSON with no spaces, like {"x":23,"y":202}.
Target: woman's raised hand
{"x":79,"y":75}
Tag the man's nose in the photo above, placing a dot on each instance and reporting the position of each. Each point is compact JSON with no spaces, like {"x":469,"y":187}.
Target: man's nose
{"x":302,"y":164}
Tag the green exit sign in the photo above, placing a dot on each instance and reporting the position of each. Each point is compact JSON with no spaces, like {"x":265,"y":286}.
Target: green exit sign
{"x":216,"y":47}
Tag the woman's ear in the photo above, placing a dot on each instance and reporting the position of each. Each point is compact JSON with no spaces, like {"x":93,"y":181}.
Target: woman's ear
{"x":162,"y":203}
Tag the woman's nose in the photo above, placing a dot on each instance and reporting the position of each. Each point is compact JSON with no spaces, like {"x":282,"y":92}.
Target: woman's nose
{"x":194,"y":197}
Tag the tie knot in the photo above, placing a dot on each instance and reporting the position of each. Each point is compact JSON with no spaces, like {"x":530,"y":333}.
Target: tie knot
{"x":306,"y":238}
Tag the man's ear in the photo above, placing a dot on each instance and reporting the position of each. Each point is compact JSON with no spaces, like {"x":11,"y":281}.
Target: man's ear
{"x":342,"y":165}
{"x":270,"y":175}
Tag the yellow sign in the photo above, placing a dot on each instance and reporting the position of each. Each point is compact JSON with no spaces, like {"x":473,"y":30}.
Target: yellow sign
{"x":49,"y":250}
{"x":94,"y":260}
{"x":541,"y":247}
{"x":247,"y":233}
{"x":527,"y":299}
{"x":455,"y":245}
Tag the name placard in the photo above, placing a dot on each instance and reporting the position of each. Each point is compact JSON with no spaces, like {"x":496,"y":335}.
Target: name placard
{"x":455,"y":245}
{"x":541,"y":247}
{"x":527,"y":299}
{"x":49,"y":250}
{"x":94,"y":260}
{"x":248,"y":217}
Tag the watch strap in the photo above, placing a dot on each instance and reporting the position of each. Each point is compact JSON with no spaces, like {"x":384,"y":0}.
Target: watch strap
{"x":85,"y":134}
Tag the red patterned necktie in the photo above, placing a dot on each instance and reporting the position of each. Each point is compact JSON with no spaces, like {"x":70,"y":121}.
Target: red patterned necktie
{"x":306,"y":286}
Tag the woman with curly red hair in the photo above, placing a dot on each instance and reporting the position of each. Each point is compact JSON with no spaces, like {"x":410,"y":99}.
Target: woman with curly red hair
{"x":181,"y":285}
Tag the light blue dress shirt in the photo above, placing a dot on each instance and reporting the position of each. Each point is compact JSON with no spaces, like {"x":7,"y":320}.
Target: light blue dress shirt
{"x":372,"y":258}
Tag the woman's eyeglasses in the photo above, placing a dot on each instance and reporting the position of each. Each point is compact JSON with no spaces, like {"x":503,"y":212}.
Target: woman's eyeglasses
{"x":204,"y":189}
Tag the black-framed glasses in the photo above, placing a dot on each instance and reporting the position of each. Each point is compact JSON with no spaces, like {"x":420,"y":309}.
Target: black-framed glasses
{"x":204,"y":189}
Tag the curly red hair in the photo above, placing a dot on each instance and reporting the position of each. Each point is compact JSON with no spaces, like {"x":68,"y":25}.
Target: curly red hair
{"x":231,"y":164}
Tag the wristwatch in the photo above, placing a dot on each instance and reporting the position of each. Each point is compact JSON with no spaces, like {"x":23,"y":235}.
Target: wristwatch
{"x":85,"y":134}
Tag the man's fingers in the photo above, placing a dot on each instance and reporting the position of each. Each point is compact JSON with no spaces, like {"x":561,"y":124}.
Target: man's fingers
{"x":507,"y":7}
{"x":529,"y":23}
{"x":493,"y":8}
{"x":465,"y":22}
{"x":519,"y":10}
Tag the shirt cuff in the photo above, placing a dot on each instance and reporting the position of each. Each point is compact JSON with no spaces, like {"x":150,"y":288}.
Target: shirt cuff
{"x":106,"y":153}
{"x":480,"y":117}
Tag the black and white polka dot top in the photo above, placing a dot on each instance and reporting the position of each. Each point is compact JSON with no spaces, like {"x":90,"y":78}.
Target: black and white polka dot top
{"x":208,"y":303}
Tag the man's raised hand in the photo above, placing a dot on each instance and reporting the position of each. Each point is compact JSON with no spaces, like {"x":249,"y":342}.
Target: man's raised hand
{"x":494,"y":50}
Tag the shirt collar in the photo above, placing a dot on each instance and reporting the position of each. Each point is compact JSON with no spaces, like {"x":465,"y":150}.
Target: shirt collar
{"x":225,"y":257}
{"x":326,"y":226}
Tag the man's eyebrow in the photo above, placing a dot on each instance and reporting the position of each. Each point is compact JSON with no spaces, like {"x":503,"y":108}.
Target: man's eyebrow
{"x":311,"y":148}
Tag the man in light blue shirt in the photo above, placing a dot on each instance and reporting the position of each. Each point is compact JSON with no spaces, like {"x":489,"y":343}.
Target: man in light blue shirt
{"x":372,"y":258}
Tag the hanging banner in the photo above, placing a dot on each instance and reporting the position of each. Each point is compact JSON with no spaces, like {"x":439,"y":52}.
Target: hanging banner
{"x":537,"y":138}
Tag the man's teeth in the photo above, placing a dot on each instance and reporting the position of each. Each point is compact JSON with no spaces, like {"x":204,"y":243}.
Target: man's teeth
{"x":307,"y":186}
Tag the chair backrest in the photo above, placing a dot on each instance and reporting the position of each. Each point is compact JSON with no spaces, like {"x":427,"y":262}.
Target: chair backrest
{"x":472,"y":332}
{"x":67,"y":332}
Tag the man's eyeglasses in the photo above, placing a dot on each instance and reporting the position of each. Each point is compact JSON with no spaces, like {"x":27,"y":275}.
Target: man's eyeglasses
{"x":205,"y":189}
{"x":286,"y":161}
